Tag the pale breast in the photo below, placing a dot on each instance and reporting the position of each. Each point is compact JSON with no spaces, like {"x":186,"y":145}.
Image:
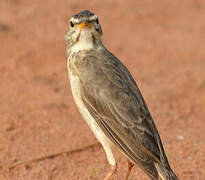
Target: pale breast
{"x":75,"y":87}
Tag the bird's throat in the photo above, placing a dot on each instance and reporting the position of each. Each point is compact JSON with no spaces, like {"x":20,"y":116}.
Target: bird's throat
{"x":85,"y":42}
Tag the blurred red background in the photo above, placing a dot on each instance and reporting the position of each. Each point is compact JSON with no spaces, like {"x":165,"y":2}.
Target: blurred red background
{"x":42,"y":135}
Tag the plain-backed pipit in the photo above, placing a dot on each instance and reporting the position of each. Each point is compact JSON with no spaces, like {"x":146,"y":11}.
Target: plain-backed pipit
{"x":110,"y":101}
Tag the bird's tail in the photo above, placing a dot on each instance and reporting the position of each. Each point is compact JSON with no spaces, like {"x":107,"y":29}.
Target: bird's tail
{"x":166,"y":173}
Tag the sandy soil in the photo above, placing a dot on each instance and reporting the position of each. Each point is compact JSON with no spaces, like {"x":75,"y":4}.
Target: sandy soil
{"x":42,"y":135}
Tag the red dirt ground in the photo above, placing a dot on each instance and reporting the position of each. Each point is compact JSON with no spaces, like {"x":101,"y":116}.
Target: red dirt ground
{"x":42,"y":135}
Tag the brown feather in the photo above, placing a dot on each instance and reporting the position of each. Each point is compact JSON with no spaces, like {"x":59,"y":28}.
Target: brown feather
{"x":113,"y":99}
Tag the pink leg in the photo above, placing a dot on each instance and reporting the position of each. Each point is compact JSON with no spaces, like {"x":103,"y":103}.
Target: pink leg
{"x":112,"y":171}
{"x":130,"y":166}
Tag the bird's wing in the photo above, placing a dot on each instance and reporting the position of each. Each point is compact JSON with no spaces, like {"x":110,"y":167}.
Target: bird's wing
{"x":113,"y":99}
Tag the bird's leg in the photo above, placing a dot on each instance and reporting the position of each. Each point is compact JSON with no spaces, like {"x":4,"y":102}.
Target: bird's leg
{"x":130,"y":166}
{"x":110,"y":156}
{"x":113,"y":169}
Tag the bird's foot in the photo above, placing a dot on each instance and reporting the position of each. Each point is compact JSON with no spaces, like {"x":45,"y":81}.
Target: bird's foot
{"x":112,"y":171}
{"x":130,"y":166}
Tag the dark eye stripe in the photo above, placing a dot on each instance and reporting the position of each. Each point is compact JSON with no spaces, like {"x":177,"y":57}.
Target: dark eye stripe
{"x":71,"y":24}
{"x":97,"y":21}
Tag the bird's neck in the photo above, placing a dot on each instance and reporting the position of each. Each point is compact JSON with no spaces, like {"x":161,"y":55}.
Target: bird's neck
{"x":85,"y":42}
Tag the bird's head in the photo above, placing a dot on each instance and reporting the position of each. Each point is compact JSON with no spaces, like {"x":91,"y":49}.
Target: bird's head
{"x":85,"y":31}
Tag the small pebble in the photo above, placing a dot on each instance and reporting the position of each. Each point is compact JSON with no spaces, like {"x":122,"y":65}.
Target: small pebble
{"x":180,"y":137}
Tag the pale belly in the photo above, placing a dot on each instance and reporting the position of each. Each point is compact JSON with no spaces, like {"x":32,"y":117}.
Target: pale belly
{"x":74,"y":81}
{"x":99,"y":134}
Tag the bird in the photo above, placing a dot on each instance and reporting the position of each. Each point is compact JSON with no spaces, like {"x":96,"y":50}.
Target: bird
{"x":110,"y":101}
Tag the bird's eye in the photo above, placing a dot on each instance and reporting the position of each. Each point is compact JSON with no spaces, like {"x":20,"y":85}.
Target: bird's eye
{"x":97,"y":21}
{"x":71,"y":24}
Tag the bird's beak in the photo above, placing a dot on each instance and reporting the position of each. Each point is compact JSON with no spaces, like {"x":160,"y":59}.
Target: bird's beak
{"x":84,"y":24}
